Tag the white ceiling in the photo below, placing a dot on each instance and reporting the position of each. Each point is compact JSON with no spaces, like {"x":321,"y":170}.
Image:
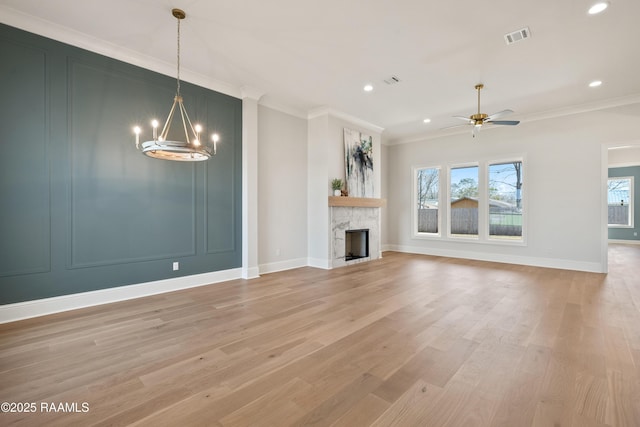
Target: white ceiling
{"x":305,"y":55}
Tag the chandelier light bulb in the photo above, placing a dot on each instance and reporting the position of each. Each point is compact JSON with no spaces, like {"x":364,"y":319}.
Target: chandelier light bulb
{"x":164,"y":146}
{"x":215,"y":139}
{"x":137,"y":130}
{"x":154,"y":124}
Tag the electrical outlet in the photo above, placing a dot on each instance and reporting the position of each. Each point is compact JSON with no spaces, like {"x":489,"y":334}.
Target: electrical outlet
{"x":635,"y":233}
{"x":278,"y":252}
{"x":176,"y":266}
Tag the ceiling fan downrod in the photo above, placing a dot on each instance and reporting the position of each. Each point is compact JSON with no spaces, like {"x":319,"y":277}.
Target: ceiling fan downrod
{"x":479,"y":117}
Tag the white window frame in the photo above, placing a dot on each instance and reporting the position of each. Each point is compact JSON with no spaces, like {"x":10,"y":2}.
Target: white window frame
{"x":523,"y":201}
{"x":470,"y":237}
{"x":414,"y":209}
{"x":631,"y":201}
{"x":444,"y":202}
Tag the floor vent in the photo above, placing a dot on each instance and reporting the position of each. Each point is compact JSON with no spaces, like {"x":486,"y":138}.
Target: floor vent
{"x":517,"y":36}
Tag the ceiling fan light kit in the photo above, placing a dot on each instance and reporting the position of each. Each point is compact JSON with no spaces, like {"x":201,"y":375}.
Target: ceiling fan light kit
{"x":480,"y":119}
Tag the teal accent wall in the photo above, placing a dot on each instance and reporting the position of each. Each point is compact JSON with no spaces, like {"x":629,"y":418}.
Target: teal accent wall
{"x":627,"y":233}
{"x":80,"y":208}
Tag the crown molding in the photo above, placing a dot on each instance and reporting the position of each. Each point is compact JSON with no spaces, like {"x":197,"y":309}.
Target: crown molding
{"x":317,"y":112}
{"x":322,"y":111}
{"x":81,"y":40}
{"x":251,"y":93}
{"x":533,"y":117}
{"x":583,"y":108}
{"x":286,"y":109}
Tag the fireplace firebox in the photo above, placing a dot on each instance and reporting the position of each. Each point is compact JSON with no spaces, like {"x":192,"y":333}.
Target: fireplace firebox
{"x":356,"y":244}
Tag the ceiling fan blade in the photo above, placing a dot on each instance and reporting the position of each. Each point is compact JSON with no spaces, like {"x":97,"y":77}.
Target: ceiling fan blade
{"x":505,"y":122}
{"x":498,"y":114}
{"x":455,"y":126}
{"x":463,"y":118}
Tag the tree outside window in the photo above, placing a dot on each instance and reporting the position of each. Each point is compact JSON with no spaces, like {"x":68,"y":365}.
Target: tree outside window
{"x":463,"y":219}
{"x":619,"y":200}
{"x":505,"y":200}
{"x":428,"y":193}
{"x":497,"y":200}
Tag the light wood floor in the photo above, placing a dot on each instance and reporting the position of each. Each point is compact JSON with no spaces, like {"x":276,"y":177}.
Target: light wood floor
{"x":407,"y":340}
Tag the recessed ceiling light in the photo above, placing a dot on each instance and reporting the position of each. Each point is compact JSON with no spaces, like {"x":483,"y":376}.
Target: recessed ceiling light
{"x":427,"y":120}
{"x":595,"y":83}
{"x":598,"y":7}
{"x":368,"y":88}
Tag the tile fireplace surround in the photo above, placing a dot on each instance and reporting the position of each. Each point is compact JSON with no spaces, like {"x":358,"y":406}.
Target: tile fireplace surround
{"x":351,"y":213}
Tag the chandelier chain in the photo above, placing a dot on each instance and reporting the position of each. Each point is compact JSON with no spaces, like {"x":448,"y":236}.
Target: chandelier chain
{"x":192,"y":148}
{"x":178,"y":60}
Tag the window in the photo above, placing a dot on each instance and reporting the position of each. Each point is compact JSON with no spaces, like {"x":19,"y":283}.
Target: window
{"x":481,"y":201}
{"x":463,"y":208}
{"x":428,"y":194}
{"x":505,"y":200}
{"x":620,"y":201}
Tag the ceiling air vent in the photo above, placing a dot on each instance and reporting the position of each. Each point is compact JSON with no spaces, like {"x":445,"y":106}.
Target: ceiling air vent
{"x":392,"y":80}
{"x":517,"y":36}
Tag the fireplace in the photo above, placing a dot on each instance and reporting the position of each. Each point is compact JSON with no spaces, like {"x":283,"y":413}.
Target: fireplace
{"x":356,"y":244}
{"x":344,"y":221}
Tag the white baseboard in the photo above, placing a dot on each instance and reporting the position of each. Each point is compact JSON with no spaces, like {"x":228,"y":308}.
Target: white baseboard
{"x":250,"y":272}
{"x":564,"y":264}
{"x":29,"y":309}
{"x":319,"y":263}
{"x":282,"y":265}
{"x":41,"y":307}
{"x":625,"y":242}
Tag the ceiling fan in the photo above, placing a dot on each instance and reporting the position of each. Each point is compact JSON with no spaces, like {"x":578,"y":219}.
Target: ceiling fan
{"x":480,"y":119}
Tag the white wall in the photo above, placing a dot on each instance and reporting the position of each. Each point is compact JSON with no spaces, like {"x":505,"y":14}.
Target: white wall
{"x":318,"y":189}
{"x":282,"y":190}
{"x":326,"y":162}
{"x":563,"y":186}
{"x":384,"y":193}
{"x":627,"y":156}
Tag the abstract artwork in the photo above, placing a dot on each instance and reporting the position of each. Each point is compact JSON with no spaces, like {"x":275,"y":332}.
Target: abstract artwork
{"x":358,"y":161}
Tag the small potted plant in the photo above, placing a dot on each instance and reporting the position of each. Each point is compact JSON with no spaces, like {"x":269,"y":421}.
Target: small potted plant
{"x":336,"y":185}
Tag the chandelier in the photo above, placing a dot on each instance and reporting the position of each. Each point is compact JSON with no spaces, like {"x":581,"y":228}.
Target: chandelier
{"x":192,"y":149}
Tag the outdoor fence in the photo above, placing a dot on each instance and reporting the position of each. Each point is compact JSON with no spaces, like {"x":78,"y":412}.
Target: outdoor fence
{"x":618,"y":215}
{"x":465,"y":221}
{"x":427,"y":220}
